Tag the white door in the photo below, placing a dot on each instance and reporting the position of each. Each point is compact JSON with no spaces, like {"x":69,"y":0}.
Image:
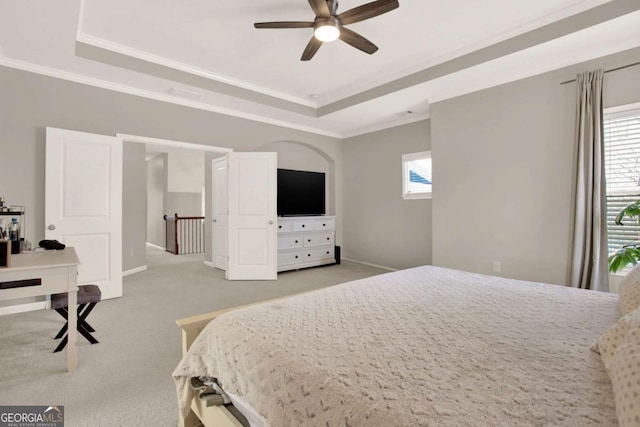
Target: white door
{"x":252,"y":218}
{"x":83,"y":208}
{"x":219,"y":209}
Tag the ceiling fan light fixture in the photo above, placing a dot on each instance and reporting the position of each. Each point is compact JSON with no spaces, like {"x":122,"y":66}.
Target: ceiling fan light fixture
{"x":327,"y":32}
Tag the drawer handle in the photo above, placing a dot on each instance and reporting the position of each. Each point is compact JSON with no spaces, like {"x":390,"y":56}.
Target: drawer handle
{"x":303,"y":226}
{"x":308,"y":254}
{"x":324,"y":225}
{"x":279,"y":226}
{"x":296,"y":241}
{"x":308,"y":240}
{"x":328,"y":238}
{"x":296,"y":256}
{"x":327,"y":252}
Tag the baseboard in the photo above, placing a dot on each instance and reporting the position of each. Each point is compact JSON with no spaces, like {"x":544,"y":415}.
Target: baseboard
{"x":155,"y":246}
{"x":21,"y":308}
{"x":209,"y":264}
{"x":134,"y":271}
{"x":369,"y":264}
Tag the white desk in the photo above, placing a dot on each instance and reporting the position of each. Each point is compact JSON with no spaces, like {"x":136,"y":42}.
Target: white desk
{"x":58,"y":273}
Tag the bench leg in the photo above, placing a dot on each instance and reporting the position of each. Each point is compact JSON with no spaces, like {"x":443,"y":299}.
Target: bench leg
{"x":83,"y":316}
{"x":83,"y":327}
{"x":83,"y":331}
{"x":62,"y":344}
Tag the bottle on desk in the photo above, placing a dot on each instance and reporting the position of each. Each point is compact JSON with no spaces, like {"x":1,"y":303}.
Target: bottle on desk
{"x":14,"y":229}
{"x":14,"y":236}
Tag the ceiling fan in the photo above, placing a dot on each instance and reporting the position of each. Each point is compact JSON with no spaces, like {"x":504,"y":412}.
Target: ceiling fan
{"x":329,"y":26}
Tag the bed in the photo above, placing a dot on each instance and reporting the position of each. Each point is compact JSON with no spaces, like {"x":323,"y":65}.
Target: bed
{"x":418,"y":347}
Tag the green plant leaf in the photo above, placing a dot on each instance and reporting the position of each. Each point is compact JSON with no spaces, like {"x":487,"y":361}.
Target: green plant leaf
{"x":631,"y":211}
{"x":628,"y":254}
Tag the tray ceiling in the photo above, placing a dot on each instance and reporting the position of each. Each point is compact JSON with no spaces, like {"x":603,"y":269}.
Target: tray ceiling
{"x":208,"y":55}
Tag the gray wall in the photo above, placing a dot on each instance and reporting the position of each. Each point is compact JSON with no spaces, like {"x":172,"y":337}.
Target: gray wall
{"x":503,"y":162}
{"x":185,"y":181}
{"x":297,"y":156}
{"x":31,"y":102}
{"x":380,"y":226}
{"x":134,"y":182}
{"x":184,"y":204}
{"x":156,"y":202}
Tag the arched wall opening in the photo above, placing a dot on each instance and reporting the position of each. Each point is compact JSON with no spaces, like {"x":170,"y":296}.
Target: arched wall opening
{"x":301,"y":156}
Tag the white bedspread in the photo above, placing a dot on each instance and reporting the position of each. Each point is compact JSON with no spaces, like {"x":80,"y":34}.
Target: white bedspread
{"x":425,"y":346}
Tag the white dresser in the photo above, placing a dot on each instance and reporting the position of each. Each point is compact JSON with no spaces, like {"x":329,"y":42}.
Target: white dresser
{"x":306,"y":241}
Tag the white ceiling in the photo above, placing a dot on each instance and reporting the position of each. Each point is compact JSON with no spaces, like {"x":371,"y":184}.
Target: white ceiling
{"x":429,"y":50}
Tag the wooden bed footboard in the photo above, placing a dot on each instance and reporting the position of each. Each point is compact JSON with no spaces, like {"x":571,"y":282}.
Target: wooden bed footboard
{"x":192,"y":326}
{"x":200,"y":414}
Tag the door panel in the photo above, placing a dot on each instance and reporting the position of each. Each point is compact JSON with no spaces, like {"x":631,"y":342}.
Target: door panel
{"x":83,"y":207}
{"x":219,"y":209}
{"x":252,"y":228}
{"x":86,"y":179}
{"x":94,"y":269}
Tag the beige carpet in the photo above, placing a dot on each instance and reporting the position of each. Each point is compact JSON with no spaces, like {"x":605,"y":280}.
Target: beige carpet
{"x":125,"y":380}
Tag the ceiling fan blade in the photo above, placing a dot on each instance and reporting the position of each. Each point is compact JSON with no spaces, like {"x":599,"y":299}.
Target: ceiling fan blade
{"x":357,"y":41}
{"x":320,"y":8}
{"x":367,"y":11}
{"x":311,"y":49}
{"x":284,"y":24}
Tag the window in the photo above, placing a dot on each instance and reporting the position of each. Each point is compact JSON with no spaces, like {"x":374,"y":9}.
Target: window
{"x":622,"y":172}
{"x":416,"y":175}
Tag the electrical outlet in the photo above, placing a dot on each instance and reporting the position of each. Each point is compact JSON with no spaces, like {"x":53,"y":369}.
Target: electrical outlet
{"x":496,"y":266}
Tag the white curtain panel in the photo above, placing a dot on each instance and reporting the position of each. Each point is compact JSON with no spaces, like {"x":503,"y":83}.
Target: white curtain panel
{"x":589,"y":268}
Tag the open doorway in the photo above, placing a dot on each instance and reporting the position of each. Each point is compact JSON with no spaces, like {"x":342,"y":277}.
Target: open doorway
{"x":161,"y":177}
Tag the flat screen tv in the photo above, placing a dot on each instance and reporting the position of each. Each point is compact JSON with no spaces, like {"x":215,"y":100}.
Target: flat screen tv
{"x":300,"y":193}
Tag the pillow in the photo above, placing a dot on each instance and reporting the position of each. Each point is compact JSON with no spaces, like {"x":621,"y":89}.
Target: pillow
{"x":619,"y":349}
{"x":625,"y":379}
{"x":630,"y":291}
{"x":607,"y":345}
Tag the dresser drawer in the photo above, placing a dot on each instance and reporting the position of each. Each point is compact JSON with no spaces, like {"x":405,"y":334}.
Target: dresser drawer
{"x":304,"y":225}
{"x":325,"y":224}
{"x":290,"y":241}
{"x":287,"y":258}
{"x":318,"y":254}
{"x":318,"y":239}
{"x":284,"y":226}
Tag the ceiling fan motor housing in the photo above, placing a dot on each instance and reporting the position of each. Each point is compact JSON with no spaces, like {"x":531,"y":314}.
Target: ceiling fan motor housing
{"x":333,"y":21}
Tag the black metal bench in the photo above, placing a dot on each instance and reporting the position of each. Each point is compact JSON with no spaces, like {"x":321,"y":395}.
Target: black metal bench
{"x":88,"y":297}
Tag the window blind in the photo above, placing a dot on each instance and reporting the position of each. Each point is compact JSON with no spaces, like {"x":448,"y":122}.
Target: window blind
{"x":622,"y":174}
{"x":419,"y":176}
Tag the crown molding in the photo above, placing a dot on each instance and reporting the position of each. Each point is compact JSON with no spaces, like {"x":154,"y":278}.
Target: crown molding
{"x":524,"y":40}
{"x":180,"y":66}
{"x":103,"y":84}
{"x":413,"y":118}
{"x":354,"y":89}
{"x":173,"y":144}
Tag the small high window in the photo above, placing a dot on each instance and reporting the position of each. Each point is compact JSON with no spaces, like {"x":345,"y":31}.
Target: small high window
{"x":416,"y":175}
